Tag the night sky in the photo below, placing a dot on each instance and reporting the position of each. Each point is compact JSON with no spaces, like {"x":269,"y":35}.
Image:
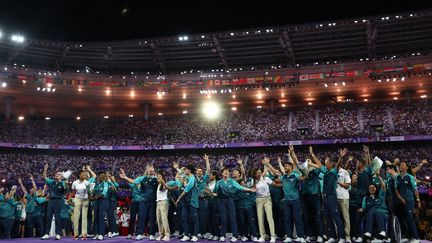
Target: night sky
{"x":105,"y":20}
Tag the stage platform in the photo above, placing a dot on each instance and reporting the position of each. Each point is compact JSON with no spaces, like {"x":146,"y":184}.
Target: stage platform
{"x":120,"y":239}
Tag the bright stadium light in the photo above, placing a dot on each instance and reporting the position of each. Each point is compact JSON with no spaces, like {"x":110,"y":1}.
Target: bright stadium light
{"x":17,"y":38}
{"x":1,"y":34}
{"x":211,"y":109}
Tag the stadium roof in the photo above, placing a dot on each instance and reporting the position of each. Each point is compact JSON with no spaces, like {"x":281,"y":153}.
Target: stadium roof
{"x":345,"y":40}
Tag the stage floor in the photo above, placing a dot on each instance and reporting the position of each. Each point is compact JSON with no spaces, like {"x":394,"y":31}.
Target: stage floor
{"x":116,"y":239}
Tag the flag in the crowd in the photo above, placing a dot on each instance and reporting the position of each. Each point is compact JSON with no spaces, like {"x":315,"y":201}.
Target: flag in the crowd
{"x":243,"y":80}
{"x":235,"y":81}
{"x":250,"y":80}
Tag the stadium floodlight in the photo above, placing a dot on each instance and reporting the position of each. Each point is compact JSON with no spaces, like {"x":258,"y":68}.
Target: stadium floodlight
{"x":211,"y":109}
{"x":4,"y":84}
{"x":1,"y":34}
{"x":17,"y":38}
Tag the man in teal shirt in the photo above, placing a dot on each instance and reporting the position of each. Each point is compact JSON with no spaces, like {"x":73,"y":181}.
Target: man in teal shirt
{"x":406,"y":189}
{"x":290,"y":183}
{"x":134,"y":207}
{"x":202,"y":181}
{"x":226,"y":189}
{"x":189,"y":213}
{"x":57,"y":190}
{"x":7,"y":212}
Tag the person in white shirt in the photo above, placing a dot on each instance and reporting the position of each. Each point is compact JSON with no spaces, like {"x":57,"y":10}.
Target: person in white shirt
{"x":124,"y":221}
{"x":343,"y":184}
{"x":162,"y":206}
{"x":264,"y":202}
{"x":81,"y":200}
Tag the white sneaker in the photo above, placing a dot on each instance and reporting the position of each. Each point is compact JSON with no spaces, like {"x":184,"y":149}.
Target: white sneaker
{"x":261,"y":239}
{"x":358,"y":240}
{"x":159,"y":238}
{"x":194,"y":239}
{"x":415,"y":241}
{"x":367,"y":234}
{"x":199,"y":236}
{"x":383,"y":234}
{"x":287,"y":240}
{"x":129,"y":236}
{"x":222,"y":239}
{"x":301,"y":240}
{"x":376,"y":241}
{"x":166,"y":238}
{"x":215,"y":238}
{"x":244,"y":238}
{"x":273,"y":240}
{"x":308,"y":239}
{"x":330,"y":240}
{"x":139,"y":237}
{"x":45,"y":237}
{"x":233,"y":239}
{"x":404,"y":240}
{"x":348,"y":240}
{"x":110,"y":235}
{"x":100,"y":237}
{"x":95,"y":237}
{"x":115,"y":234}
{"x":341,"y":241}
{"x":255,"y":239}
{"x":57,"y":237}
{"x":151,"y":237}
{"x":319,"y":239}
{"x":185,"y":238}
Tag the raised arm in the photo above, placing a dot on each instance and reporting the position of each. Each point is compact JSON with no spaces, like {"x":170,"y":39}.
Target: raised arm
{"x":315,"y":158}
{"x":293,"y":154}
{"x":33,"y":182}
{"x":124,"y":176}
{"x":342,"y":153}
{"x":88,"y":168}
{"x":207,"y":162}
{"x":22,"y":186}
{"x":279,"y":160}
{"x":270,"y":168}
{"x":367,"y":154}
{"x":45,"y":172}
{"x":242,"y":169}
{"x":346,"y":166}
{"x":418,"y":167}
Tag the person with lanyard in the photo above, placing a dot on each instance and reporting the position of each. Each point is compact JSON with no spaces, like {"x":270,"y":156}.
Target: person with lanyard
{"x":331,"y":211}
{"x":213,"y":208}
{"x":66,"y":215}
{"x":342,"y":193}
{"x":374,"y":206}
{"x":354,"y":205}
{"x":406,"y":189}
{"x":291,"y":178}
{"x":189,"y":213}
{"x":162,"y":206}
{"x":31,"y":222}
{"x":225,"y":189}
{"x":112,"y":197}
{"x":277,"y":195}
{"x":147,"y":209}
{"x":7,"y":205}
{"x":263,"y":200}
{"x":57,"y":190}
{"x":137,"y":197}
{"x":100,"y":194}
{"x":202,"y":180}
{"x":246,"y":211}
{"x":81,"y":201}
{"x":311,"y":198}
{"x":18,"y":213}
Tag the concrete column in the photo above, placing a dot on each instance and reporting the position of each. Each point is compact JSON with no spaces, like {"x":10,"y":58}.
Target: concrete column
{"x":8,"y":100}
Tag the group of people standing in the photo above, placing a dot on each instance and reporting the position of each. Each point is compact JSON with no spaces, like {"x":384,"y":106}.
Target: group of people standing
{"x":293,"y":201}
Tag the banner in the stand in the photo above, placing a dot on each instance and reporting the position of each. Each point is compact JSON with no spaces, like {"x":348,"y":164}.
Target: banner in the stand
{"x":224,"y":145}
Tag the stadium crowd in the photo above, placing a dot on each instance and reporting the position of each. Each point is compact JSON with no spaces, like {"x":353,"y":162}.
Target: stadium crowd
{"x":335,"y":121}
{"x":229,"y":192}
